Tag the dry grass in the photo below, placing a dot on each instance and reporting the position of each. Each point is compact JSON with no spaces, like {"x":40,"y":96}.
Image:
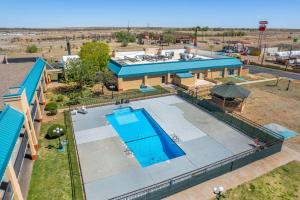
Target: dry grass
{"x":274,"y":104}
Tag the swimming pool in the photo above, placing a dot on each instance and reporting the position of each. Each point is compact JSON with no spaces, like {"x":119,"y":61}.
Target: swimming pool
{"x":148,"y":142}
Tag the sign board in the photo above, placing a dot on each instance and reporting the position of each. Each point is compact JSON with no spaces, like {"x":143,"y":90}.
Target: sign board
{"x":263,"y":22}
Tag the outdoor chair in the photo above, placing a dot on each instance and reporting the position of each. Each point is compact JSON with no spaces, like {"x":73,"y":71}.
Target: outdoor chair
{"x":82,"y":110}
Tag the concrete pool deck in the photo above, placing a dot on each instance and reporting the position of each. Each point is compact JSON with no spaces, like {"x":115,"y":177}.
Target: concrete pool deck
{"x":108,"y":171}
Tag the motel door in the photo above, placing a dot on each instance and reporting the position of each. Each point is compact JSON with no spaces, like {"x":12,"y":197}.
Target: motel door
{"x":163,"y":79}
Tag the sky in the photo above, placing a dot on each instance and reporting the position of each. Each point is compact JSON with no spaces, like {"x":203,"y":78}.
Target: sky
{"x":152,"y":13}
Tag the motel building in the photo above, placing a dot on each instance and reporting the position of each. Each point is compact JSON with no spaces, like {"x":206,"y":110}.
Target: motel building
{"x":188,"y":67}
{"x":20,"y":117}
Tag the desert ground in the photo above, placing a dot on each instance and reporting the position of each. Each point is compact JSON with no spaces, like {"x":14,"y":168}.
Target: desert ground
{"x":52,"y":43}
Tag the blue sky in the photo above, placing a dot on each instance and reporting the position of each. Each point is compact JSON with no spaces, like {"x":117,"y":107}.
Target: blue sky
{"x":167,"y":13}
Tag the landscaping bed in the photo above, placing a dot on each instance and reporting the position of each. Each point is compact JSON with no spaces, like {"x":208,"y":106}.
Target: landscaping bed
{"x":70,"y":95}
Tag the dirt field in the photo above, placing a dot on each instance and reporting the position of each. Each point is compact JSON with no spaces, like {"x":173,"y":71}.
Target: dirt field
{"x":52,"y":43}
{"x":274,"y":104}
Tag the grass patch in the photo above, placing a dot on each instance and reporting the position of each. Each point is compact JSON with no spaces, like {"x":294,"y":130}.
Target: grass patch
{"x":281,"y":183}
{"x":51,"y":176}
{"x":229,"y":79}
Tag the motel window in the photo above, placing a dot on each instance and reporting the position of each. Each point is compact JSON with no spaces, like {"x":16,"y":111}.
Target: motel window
{"x":231,"y":72}
{"x":221,"y":73}
{"x":198,"y":75}
{"x":172,"y":76}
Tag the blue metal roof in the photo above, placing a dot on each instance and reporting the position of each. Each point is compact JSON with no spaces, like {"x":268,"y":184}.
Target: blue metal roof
{"x":171,"y":67}
{"x":11,"y":122}
{"x":32,"y":79}
{"x":184,"y":75}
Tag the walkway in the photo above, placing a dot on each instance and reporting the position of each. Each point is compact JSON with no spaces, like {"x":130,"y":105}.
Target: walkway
{"x":237,"y":177}
{"x":256,"y":69}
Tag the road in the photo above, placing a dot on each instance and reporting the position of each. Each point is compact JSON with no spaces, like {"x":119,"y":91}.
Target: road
{"x":256,"y":69}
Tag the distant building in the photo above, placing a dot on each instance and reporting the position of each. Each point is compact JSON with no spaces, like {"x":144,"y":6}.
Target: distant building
{"x":66,"y":59}
{"x":287,"y":56}
{"x":178,"y":66}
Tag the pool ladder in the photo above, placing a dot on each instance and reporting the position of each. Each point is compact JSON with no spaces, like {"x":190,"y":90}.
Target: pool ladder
{"x":175,"y":138}
{"x":128,"y":152}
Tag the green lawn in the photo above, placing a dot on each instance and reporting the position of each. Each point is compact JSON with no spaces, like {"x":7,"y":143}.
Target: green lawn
{"x":51,"y":176}
{"x":282,"y":183}
{"x":229,"y":79}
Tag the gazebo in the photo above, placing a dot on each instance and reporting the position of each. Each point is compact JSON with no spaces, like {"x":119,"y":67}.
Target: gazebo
{"x":230,"y":97}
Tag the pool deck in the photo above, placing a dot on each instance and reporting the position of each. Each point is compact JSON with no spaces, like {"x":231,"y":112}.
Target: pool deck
{"x":108,"y":171}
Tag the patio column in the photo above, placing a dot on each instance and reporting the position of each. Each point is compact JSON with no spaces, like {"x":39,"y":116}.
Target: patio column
{"x":120,"y":84}
{"x":12,"y":177}
{"x":42,"y":98}
{"x":145,"y":80}
{"x":240,"y":70}
{"x":44,"y":84}
{"x":31,"y":136}
{"x":225,"y":72}
{"x":209,"y":75}
{"x":39,"y":112}
{"x":32,"y":130}
{"x":168,"y":78}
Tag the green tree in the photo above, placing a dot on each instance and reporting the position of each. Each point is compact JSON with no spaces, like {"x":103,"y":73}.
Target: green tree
{"x":51,"y":108}
{"x":168,"y":37}
{"x":95,"y":54}
{"x":124,"y":36}
{"x":105,"y":78}
{"x":124,"y":43}
{"x":80,"y":72}
{"x":31,"y":48}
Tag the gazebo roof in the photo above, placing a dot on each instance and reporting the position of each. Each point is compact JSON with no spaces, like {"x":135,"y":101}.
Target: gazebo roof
{"x":230,"y":90}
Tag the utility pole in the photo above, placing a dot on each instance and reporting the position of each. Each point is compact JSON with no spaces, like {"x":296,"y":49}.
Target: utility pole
{"x":196,"y":36}
{"x":68,"y":45}
{"x":128,"y":28}
{"x":263,"y":55}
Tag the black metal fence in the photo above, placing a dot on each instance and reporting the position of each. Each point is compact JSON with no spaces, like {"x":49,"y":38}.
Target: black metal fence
{"x":74,"y":164}
{"x":272,"y":144}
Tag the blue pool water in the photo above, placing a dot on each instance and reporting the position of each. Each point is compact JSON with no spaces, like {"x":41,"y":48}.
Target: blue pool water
{"x":143,"y":136}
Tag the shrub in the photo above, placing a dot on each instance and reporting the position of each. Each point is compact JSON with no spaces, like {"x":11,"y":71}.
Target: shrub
{"x":255,"y":52}
{"x":51,"y":134}
{"x":51,"y":108}
{"x":59,"y":98}
{"x":124,"y":43}
{"x":31,"y":48}
{"x":73,"y":101}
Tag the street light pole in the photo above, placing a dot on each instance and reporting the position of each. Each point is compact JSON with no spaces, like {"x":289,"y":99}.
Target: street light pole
{"x":58,"y":131}
{"x":218,"y":191}
{"x":112,"y":87}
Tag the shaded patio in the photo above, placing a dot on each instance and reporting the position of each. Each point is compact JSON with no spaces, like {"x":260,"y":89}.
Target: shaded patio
{"x":230,"y":97}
